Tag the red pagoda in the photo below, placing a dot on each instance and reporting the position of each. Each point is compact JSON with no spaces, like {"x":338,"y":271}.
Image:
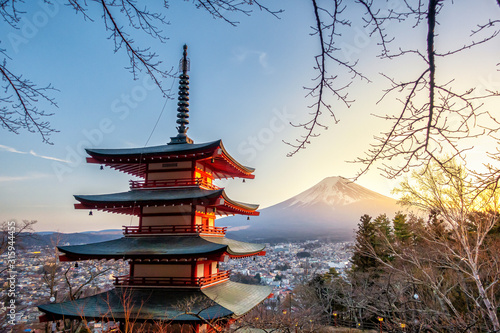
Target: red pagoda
{"x":175,"y":250}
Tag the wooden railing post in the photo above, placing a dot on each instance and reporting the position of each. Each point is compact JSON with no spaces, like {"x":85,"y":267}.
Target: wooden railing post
{"x":134,"y":184}
{"x":197,"y":228}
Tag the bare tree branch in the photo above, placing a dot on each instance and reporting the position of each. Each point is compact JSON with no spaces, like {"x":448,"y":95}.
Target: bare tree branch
{"x":326,"y":28}
{"x":18,"y":102}
{"x":9,"y":12}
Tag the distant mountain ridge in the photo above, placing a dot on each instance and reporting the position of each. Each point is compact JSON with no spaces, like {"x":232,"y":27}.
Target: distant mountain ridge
{"x":48,"y":238}
{"x":330,"y":209}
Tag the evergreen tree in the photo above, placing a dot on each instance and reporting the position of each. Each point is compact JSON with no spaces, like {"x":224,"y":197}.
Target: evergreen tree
{"x":401,"y":226}
{"x":383,"y":236}
{"x":383,"y":225}
{"x":365,"y":240}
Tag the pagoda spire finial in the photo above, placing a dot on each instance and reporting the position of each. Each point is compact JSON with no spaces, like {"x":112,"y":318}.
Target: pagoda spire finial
{"x":183,"y":102}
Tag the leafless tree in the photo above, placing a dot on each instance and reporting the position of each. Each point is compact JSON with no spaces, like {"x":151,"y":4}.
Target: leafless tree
{"x":15,"y":231}
{"x":469,"y":214}
{"x":91,"y":270}
{"x":51,"y":270}
{"x":18,"y":103}
{"x":321,"y":295}
{"x":449,"y":262}
{"x":60,"y":278}
{"x":278,"y":320}
{"x":11,"y":243}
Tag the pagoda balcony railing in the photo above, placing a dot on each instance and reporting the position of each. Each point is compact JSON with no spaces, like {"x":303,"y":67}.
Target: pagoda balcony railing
{"x":181,"y":182}
{"x":126,"y":280}
{"x":174,"y":229}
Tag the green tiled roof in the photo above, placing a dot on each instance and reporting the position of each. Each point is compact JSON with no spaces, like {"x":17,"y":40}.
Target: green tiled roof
{"x":139,"y":197}
{"x":155,"y":150}
{"x":228,"y":299}
{"x":238,"y":297}
{"x":161,"y":247}
{"x":151,"y":195}
{"x":236,"y":247}
{"x":143,"y":303}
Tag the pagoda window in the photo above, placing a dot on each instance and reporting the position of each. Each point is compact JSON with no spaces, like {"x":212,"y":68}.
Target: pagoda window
{"x":205,"y":210}
{"x":206,"y":176}
{"x":214,"y":269}
{"x":186,"y":174}
{"x":166,"y":220}
{"x":170,"y":165}
{"x":167,"y":209}
{"x":159,"y":270}
{"x":204,"y":221}
{"x":199,"y":270}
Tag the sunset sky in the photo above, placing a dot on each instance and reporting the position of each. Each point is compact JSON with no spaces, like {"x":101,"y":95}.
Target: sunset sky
{"x":246,"y":85}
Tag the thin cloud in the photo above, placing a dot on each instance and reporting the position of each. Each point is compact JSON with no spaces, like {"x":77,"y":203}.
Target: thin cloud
{"x":48,"y":157}
{"x":14,"y":150}
{"x":242,"y":55}
{"x":263,"y":60}
{"x":22,"y":178}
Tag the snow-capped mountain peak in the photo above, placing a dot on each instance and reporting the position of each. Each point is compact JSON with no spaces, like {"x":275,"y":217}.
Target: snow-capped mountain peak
{"x":331,"y":208}
{"x":333,"y":191}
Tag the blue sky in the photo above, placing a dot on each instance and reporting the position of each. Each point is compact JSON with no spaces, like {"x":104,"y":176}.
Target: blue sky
{"x":246,"y":85}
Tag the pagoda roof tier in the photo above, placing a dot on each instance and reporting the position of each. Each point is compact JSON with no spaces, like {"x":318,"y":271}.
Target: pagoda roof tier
{"x":130,"y":202}
{"x":224,"y":300}
{"x":133,"y":160}
{"x":161,"y":247}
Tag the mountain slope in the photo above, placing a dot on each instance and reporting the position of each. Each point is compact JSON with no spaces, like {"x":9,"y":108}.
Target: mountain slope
{"x":329,"y":209}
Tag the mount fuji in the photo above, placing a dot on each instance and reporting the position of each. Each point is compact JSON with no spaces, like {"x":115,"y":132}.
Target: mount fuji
{"x":329,"y":210}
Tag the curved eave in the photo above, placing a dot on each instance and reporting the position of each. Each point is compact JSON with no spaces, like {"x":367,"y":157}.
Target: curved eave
{"x":224,"y":165}
{"x":224,"y":300}
{"x":142,"y":304}
{"x":237,"y":249}
{"x":238,"y":297}
{"x":134,"y":160}
{"x":131,"y":202}
{"x":161,"y":248}
{"x":236,"y":207}
{"x":154,"y":247}
{"x":229,"y":158}
{"x":136,"y":155}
